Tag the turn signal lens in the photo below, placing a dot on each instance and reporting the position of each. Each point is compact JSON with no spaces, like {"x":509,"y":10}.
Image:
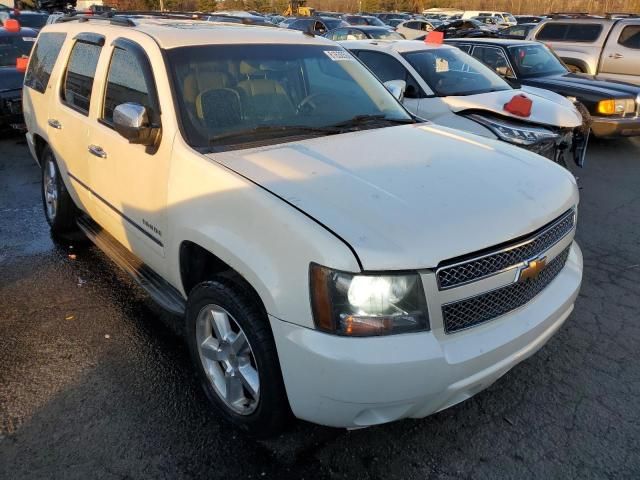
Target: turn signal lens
{"x":607,"y":107}
{"x":616,"y":107}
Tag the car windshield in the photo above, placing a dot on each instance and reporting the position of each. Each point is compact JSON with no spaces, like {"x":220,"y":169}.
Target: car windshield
{"x":385,"y":35}
{"x":510,"y":18}
{"x":226,"y":89}
{"x":376,"y":22}
{"x":451,"y":72}
{"x":535,"y":60}
{"x":13,"y":47}
{"x":332,"y":23}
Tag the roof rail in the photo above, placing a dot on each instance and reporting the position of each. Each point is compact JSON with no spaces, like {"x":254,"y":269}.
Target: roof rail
{"x":123,"y":22}
{"x":621,"y":15}
{"x":573,"y":15}
{"x":157,"y":13}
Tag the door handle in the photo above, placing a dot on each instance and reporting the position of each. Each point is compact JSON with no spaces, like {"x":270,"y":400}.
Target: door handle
{"x":97,"y":151}
{"x":54,"y":123}
{"x":615,"y":55}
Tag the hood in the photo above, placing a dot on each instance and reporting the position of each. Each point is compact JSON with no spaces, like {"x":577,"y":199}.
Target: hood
{"x":548,"y":108}
{"x":411,"y":196}
{"x":579,"y":84}
{"x":10,"y":79}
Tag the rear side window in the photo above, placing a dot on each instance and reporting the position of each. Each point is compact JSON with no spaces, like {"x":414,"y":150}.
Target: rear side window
{"x":386,"y":68}
{"x":630,"y":37}
{"x":570,"y":32}
{"x":81,"y":70}
{"x":43,"y":60}
{"x":125,"y":83}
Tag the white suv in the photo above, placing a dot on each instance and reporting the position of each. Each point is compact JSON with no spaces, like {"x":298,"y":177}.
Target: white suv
{"x":332,"y":257}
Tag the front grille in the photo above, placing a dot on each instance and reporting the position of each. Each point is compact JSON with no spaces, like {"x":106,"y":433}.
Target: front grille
{"x":491,"y":263}
{"x":487,"y":306}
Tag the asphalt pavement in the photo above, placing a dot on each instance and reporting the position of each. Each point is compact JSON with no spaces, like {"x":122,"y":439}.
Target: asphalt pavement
{"x":95,"y":381}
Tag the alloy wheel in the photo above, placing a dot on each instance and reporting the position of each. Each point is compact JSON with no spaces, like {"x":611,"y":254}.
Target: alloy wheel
{"x":50,"y":185}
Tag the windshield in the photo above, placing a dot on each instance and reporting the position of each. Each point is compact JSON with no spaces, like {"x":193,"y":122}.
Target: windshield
{"x":223,"y":89}
{"x":510,"y":18}
{"x":385,"y":35}
{"x":332,"y":23}
{"x":452,"y":72}
{"x":535,"y":60}
{"x":376,"y":22}
{"x":11,"y":48}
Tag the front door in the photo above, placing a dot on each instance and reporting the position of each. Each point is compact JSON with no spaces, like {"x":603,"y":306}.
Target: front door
{"x":621,"y":55}
{"x":130,"y":181}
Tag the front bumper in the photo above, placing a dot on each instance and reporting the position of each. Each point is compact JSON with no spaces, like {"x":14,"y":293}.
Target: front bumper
{"x":615,"y":127}
{"x":358,"y":382}
{"x":11,"y":112}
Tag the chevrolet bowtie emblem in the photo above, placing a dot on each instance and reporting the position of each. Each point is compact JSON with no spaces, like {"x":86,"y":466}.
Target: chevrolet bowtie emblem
{"x":532,"y":269}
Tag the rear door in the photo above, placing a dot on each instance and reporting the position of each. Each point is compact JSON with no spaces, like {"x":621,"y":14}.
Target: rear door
{"x":68,"y":118}
{"x":621,"y":55}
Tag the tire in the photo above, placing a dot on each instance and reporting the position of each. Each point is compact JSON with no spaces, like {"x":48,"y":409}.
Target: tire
{"x":59,"y":209}
{"x":224,"y":308}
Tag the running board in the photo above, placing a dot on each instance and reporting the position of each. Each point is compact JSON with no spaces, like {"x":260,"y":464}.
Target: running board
{"x":165,"y":295}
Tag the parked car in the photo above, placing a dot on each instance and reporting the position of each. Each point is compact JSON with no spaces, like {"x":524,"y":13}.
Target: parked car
{"x":614,"y":106}
{"x":494,"y":23}
{"x":414,"y":28}
{"x":394,"y":22}
{"x":505,"y":17}
{"x":28,"y":19}
{"x":386,"y":17}
{"x":465,"y":28}
{"x":316,"y":25}
{"x":245,"y":19}
{"x":529,"y":19}
{"x":363,"y":33}
{"x":15,"y":43}
{"x":364,"y":20}
{"x":331,"y":257}
{"x":517,"y":32}
{"x":607,"y":47}
{"x":451,"y":88}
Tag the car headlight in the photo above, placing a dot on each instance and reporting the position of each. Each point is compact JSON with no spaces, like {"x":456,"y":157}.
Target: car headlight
{"x":516,"y":133}
{"x":361,"y":305}
{"x":616,"y":107}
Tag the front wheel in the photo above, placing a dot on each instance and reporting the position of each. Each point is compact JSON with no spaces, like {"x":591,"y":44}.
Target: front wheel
{"x":59,"y":209}
{"x":234,"y":353}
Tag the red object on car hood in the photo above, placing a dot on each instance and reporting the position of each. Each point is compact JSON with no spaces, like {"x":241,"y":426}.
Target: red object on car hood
{"x":434,"y":37}
{"x":519,"y":105}
{"x":12,"y":25}
{"x":21,"y":64}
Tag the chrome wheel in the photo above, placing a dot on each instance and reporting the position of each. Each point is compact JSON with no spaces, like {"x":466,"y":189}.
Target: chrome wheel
{"x":228,"y":359}
{"x":50,"y":186}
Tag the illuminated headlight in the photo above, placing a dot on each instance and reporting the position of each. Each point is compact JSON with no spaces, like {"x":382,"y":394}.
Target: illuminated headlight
{"x":616,"y":107}
{"x":516,"y":133}
{"x":367,"y":305}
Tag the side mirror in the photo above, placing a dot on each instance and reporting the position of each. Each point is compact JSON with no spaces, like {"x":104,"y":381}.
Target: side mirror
{"x":397,"y":88}
{"x":131,"y":120}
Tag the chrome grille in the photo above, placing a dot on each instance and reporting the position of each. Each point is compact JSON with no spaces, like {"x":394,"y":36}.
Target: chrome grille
{"x":491,"y":263}
{"x":487,"y":306}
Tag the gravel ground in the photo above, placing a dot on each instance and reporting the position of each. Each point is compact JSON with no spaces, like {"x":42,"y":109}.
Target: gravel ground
{"x":95,"y":382}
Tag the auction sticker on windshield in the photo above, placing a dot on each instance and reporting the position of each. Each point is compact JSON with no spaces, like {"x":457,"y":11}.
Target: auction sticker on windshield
{"x":338,"y":55}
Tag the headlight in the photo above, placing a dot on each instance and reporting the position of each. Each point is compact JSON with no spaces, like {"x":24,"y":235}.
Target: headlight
{"x":367,"y":305}
{"x":617,"y":107}
{"x":514,"y":132}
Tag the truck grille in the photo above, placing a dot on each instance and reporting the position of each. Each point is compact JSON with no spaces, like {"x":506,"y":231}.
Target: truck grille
{"x":491,"y":263}
{"x":487,"y":306}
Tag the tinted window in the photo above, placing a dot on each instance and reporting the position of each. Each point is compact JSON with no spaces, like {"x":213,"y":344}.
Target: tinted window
{"x":535,"y":60}
{"x":81,"y":70}
{"x":32,"y":20}
{"x":493,"y":58}
{"x":570,"y":32}
{"x":388,"y":68}
{"x":552,"y":31}
{"x":12,"y":47}
{"x":43,"y":59}
{"x":125,"y":83}
{"x":630,"y":37}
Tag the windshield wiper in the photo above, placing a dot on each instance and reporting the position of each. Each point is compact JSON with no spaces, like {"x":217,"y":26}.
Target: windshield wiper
{"x":273,"y":129}
{"x":373,"y":118}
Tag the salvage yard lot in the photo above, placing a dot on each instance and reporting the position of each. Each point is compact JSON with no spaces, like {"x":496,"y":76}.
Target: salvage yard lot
{"x":94,"y":385}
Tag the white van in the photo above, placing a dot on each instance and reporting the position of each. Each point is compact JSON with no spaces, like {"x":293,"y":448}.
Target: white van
{"x":506,"y":17}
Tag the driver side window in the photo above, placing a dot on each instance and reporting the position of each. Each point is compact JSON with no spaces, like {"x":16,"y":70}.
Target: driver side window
{"x":386,"y":68}
{"x":493,"y":58}
{"x":125,"y":83}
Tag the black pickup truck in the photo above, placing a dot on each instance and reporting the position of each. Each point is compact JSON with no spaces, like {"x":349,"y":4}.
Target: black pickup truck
{"x":614,"y":106}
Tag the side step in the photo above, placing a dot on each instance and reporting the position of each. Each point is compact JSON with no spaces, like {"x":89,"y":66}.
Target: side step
{"x":159,"y":289}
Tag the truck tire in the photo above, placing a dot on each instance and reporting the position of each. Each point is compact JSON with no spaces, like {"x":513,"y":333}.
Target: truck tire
{"x":233,"y":351}
{"x":60,"y":211}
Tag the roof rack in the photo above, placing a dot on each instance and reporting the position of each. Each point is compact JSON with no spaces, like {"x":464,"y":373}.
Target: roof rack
{"x":572,"y":15}
{"x":123,"y":22}
{"x":621,"y":15}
